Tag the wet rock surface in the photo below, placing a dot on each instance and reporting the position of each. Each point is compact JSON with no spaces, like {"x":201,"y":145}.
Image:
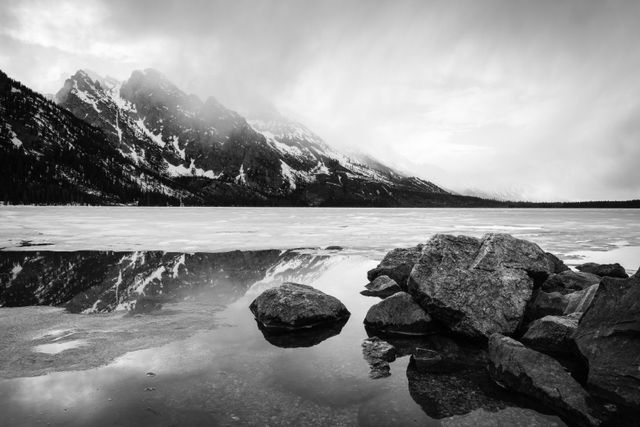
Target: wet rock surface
{"x":541,"y":377}
{"x":604,"y":270}
{"x":569,"y":281}
{"x":553,"y":334}
{"x":397,"y":265}
{"x":400,"y":314}
{"x":382,"y":287}
{"x":378,"y":354}
{"x":476,"y":287}
{"x":608,"y":336}
{"x":293,"y":306}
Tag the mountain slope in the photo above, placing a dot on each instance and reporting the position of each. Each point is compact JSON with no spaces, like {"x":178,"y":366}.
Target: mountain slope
{"x":47,"y":155}
{"x":224,"y":158}
{"x":146,"y":141}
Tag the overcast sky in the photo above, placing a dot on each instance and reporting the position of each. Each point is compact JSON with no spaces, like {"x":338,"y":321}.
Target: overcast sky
{"x":539,"y":99}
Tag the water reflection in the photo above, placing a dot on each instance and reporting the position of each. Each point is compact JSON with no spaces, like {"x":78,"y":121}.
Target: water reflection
{"x":302,"y":338}
{"x":214,"y":366}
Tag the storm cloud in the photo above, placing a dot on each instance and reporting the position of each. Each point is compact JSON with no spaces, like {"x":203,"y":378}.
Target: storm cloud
{"x":530,"y":99}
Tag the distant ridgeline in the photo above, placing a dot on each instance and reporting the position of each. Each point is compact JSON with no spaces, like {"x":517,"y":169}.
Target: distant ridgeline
{"x":145,"y":142}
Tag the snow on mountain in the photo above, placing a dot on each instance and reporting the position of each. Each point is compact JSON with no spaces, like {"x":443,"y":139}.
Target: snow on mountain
{"x":204,"y":153}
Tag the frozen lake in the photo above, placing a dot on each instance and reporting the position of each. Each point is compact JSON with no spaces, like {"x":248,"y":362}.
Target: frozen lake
{"x":201,"y":359}
{"x":600,"y":235}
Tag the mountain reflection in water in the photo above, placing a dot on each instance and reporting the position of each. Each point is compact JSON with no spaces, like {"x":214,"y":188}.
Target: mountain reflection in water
{"x":208,"y":361}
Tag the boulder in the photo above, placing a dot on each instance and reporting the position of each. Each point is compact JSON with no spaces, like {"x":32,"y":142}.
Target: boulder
{"x":397,"y":264}
{"x":381,"y":286}
{"x":539,"y":376}
{"x":545,"y":304}
{"x":569,"y":281}
{"x":295,"y":306}
{"x":400,"y":314}
{"x":478,"y":287}
{"x":553,"y":334}
{"x":378,"y":354}
{"x":428,"y":360}
{"x":558,"y":265}
{"x":604,"y":270}
{"x":608,"y":336}
{"x":578,"y":302}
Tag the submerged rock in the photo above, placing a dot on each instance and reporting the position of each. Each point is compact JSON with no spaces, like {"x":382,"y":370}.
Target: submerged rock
{"x":378,"y":354}
{"x":478,"y":287}
{"x":604,"y":270}
{"x":381,"y":286}
{"x":553,"y":334}
{"x":400,"y":314}
{"x":608,"y":336}
{"x":397,"y":264}
{"x":569,"y":281}
{"x":294,"y":306}
{"x":539,"y":376}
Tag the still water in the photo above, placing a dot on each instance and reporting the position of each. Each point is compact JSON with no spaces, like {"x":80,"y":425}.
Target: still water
{"x":201,"y":360}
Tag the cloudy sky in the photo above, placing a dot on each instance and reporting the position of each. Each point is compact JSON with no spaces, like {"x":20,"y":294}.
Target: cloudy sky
{"x":535,"y":99}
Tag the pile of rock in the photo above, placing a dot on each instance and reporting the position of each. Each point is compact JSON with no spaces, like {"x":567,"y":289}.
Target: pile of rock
{"x":537,"y":317}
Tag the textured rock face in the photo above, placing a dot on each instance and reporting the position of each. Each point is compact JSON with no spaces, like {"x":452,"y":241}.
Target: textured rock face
{"x":578,"y":302}
{"x":558,"y":265}
{"x":397,"y":265}
{"x":553,"y":334}
{"x":478,"y":287}
{"x":538,"y":376}
{"x":604,"y":270}
{"x":293,"y":306}
{"x":546,"y":304}
{"x":569,"y":281}
{"x":608,"y":336}
{"x":400,"y":314}
{"x":381,"y":286}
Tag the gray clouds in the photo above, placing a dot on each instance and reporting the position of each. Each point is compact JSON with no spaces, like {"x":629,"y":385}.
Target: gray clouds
{"x":538,"y":97}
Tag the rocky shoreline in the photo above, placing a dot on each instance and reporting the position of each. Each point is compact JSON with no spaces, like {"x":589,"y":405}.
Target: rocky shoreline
{"x":568,"y":341}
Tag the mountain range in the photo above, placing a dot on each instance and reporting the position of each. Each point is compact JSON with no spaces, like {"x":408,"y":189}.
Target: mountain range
{"x":145,"y":141}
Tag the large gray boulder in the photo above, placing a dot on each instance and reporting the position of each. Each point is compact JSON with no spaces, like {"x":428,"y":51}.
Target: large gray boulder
{"x":400,"y":314}
{"x":295,"y":306}
{"x":604,"y":270}
{"x":539,"y":376}
{"x":553,"y":334}
{"x":382,"y":287}
{"x":608,"y":336}
{"x":397,"y":264}
{"x":569,"y":281}
{"x":476,"y":287}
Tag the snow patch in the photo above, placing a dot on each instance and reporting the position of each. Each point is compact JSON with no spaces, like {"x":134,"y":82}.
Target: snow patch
{"x":289,"y":174}
{"x":17,"y":268}
{"x":181,"y":152}
{"x":85,"y":97}
{"x":192,"y":170}
{"x":241,"y":178}
{"x":155,"y":138}
{"x":156,"y":275}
